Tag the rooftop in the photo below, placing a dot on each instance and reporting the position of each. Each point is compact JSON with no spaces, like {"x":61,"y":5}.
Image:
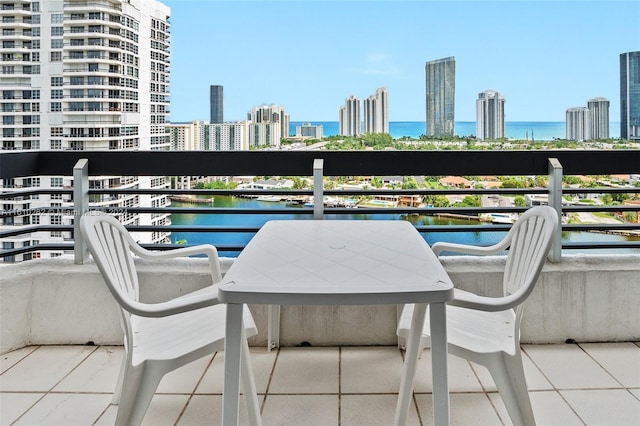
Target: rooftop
{"x":590,"y":384}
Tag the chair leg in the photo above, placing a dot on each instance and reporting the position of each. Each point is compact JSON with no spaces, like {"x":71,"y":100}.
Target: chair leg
{"x":121,"y":375}
{"x":508,"y":374}
{"x":138,"y":388}
{"x":249,"y":385}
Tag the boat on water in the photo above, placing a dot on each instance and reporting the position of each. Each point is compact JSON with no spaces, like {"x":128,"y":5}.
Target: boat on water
{"x":507,"y":218}
{"x":269,"y":198}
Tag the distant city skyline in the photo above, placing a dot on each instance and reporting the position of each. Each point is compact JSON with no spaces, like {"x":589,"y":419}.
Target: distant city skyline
{"x":293,"y":54}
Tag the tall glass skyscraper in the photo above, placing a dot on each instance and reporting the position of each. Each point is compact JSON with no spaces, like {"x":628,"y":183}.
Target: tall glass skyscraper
{"x":215,"y":105}
{"x":630,"y":95}
{"x":440,"y":96}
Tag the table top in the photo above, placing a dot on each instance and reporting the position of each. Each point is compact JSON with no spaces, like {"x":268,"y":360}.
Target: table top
{"x":336,"y":262}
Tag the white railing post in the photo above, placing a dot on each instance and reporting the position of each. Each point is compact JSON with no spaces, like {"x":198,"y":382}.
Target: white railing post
{"x":555,"y":201}
{"x":80,"y":206}
{"x":318,"y":188}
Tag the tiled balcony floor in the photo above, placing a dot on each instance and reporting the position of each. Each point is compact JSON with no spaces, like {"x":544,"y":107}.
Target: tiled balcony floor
{"x":592,"y":384}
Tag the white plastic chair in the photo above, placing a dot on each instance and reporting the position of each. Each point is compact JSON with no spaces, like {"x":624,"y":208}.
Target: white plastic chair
{"x":486,"y":330}
{"x":160,"y":337}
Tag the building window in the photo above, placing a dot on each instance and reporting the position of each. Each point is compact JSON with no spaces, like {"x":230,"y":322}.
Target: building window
{"x":56,"y":93}
{"x":56,"y":182}
{"x":57,"y":31}
{"x":56,"y":144}
{"x":56,"y":106}
{"x":57,"y":18}
{"x":56,"y":56}
{"x":56,"y":81}
{"x":56,"y":131}
{"x":56,"y":43}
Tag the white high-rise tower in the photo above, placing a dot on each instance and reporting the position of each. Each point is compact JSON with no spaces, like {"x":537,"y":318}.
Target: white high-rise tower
{"x":349,"y":123}
{"x":376,"y":112}
{"x":490,"y":115}
{"x":80,"y":75}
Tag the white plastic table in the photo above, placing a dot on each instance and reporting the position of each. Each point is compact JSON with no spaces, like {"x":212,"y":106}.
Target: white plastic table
{"x":334,"y":262}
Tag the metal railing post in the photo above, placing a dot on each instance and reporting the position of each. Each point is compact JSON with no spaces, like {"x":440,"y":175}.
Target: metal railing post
{"x":80,"y":206}
{"x":318,"y":188}
{"x":555,"y":201}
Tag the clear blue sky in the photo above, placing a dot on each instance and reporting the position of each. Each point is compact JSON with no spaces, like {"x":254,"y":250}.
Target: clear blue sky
{"x":308,"y":56}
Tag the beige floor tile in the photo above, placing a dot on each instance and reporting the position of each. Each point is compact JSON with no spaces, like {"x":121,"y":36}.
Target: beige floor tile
{"x":66,"y":409}
{"x":164,"y":410}
{"x":621,"y":360}
{"x":43,"y":368}
{"x":374,"y":369}
{"x":614,"y":407}
{"x":465,"y":409}
{"x":9,"y":359}
{"x":306,"y":370}
{"x":372,"y":410}
{"x":207,"y":410}
{"x":97,"y":373}
{"x":297,"y":410}
{"x":549,"y":409}
{"x":461,"y":376}
{"x":261,"y":360}
{"x":13,"y":405}
{"x":108,"y":417}
{"x":569,"y":367}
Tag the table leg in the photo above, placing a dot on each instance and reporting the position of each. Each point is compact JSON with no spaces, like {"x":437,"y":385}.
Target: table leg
{"x":273,"y":327}
{"x":439,"y":367}
{"x":232,"y":354}
{"x":410,"y":363}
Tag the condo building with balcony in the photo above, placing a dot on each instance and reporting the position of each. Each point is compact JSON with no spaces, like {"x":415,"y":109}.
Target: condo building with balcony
{"x":599,"y":111}
{"x":349,"y":117}
{"x":83,"y":76}
{"x":376,"y":112}
{"x":490,"y":115}
{"x":578,"y":124}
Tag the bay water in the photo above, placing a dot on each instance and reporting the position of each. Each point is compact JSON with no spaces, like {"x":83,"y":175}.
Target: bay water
{"x":257,"y":220}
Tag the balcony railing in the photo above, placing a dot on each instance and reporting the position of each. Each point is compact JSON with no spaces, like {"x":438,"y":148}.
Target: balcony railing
{"x":319,"y":165}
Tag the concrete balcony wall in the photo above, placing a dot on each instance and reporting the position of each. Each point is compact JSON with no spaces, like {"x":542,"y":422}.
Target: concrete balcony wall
{"x":54,"y":301}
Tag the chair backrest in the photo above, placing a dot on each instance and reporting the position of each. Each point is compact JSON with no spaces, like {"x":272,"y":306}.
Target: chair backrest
{"x":530,"y":240}
{"x":112,"y":249}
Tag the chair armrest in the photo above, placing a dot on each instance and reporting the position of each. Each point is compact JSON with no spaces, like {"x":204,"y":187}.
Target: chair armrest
{"x":469,"y":249}
{"x":207,"y":249}
{"x":189,"y":302}
{"x":465,"y":299}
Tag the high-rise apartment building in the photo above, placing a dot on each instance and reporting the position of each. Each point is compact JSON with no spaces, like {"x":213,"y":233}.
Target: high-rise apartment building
{"x":269,"y":114}
{"x":216,"y":105}
{"x":440,"y":76}
{"x":80,"y":75}
{"x":376,"y":112}
{"x":599,"y":116}
{"x":630,"y":95}
{"x":349,"y":118}
{"x":578,"y":124}
{"x":308,"y":130}
{"x":490,"y":115}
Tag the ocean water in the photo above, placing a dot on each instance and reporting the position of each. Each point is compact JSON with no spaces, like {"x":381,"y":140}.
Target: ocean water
{"x":519,"y":130}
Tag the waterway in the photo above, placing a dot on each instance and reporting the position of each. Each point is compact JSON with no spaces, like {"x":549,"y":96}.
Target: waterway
{"x":255,"y":220}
